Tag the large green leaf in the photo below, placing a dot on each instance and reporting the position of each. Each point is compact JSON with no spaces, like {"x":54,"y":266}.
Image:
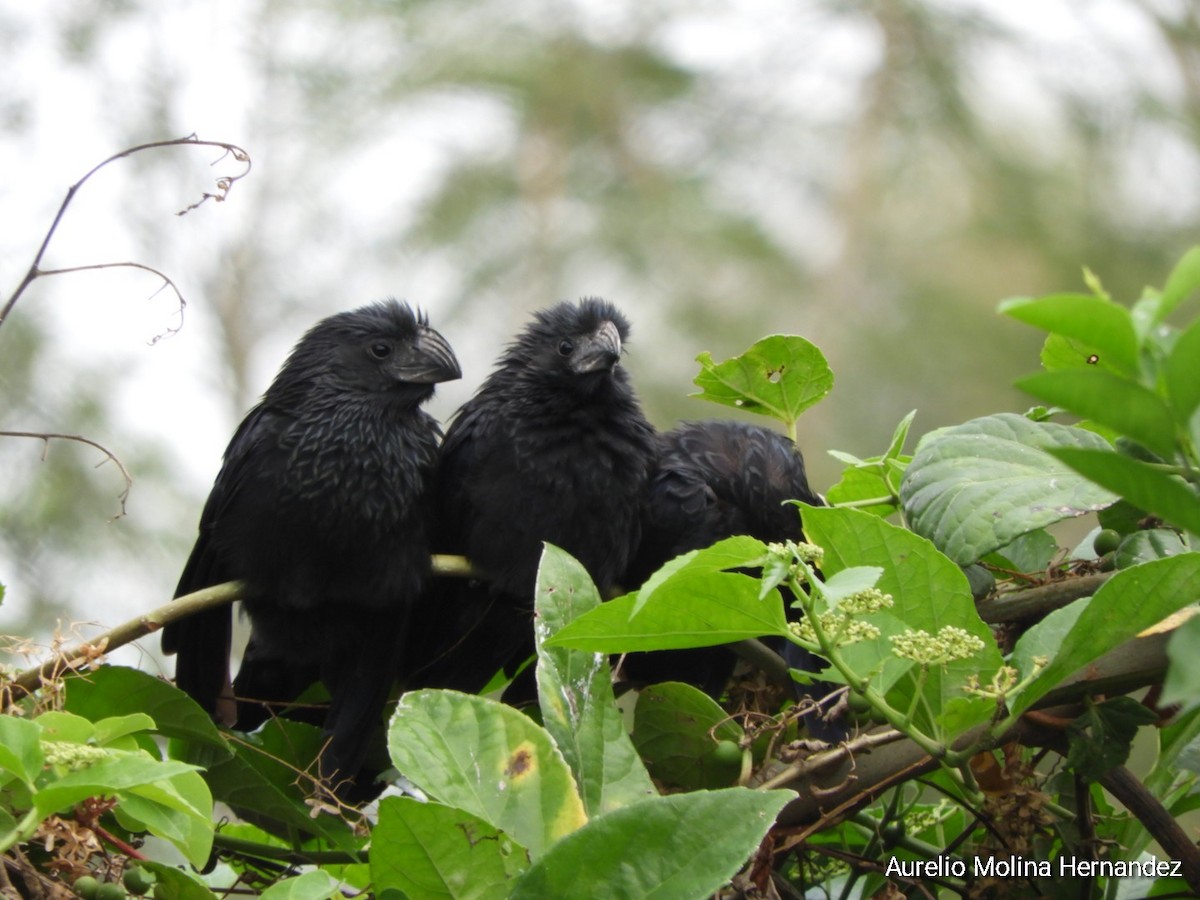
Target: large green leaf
{"x":1127,"y":604}
{"x":1113,"y":401}
{"x":1138,"y":482}
{"x":1094,"y":321}
{"x":691,"y":609}
{"x":576,"y":696}
{"x":676,"y":729}
{"x":975,"y":487}
{"x":780,"y":376}
{"x":427,"y":850}
{"x":489,"y":760}
{"x":665,"y":848}
{"x":119,"y":690}
{"x":729,"y":553}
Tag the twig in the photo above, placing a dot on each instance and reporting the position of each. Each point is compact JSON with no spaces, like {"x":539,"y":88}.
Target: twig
{"x":45,"y":437}
{"x":224,"y":185}
{"x":167,"y":283}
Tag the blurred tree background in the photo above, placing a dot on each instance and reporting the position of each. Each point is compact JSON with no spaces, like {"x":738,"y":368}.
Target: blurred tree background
{"x":872,"y":174}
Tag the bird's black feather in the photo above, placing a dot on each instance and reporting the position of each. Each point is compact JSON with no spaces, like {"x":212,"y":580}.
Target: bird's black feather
{"x":323,"y":508}
{"x":715,"y":479}
{"x":552,"y":448}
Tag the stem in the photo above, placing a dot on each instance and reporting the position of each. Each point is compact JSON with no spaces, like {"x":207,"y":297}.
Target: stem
{"x":244,"y":847}
{"x":869,"y":501}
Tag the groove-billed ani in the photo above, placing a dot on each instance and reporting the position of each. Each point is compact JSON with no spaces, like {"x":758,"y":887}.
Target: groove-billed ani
{"x":553,"y":447}
{"x":323,"y":509}
{"x":715,"y":479}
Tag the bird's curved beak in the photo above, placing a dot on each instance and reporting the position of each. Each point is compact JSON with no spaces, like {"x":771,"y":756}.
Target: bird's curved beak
{"x":599,"y":351}
{"x":428,"y":361}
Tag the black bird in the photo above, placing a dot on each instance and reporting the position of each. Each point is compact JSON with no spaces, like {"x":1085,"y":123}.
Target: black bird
{"x":715,"y":479}
{"x":323,"y":508}
{"x":553,"y":447}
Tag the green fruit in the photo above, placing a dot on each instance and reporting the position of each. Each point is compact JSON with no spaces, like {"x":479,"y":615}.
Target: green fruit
{"x":111,"y":892}
{"x":137,"y":881}
{"x":1106,"y":541}
{"x":87,"y":887}
{"x":727,"y":753}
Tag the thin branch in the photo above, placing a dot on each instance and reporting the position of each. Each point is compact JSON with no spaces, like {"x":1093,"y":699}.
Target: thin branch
{"x":46,"y":437}
{"x":224,"y":185}
{"x":1163,"y":827}
{"x":213,"y":597}
{"x":84,"y":653}
{"x":167,"y":283}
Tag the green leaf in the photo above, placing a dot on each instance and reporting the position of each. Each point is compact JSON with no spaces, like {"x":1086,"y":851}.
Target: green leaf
{"x":1043,"y":640}
{"x":1059,"y":352}
{"x":865,"y":482}
{"x":928,"y":591}
{"x":1101,"y":738}
{"x":576,"y":696}
{"x":1030,"y":552}
{"x":20,"y":749}
{"x":677,"y":847}
{"x":976,"y":487}
{"x":1111,"y":400}
{"x":428,"y":850}
{"x":1139,"y":482}
{"x":1098,"y":323}
{"x":261,"y":782}
{"x":489,"y":760}
{"x":692,"y":609}
{"x":57,"y":725}
{"x":676,"y":729}
{"x":1183,"y":676}
{"x":1180,"y":373}
{"x":113,"y":775}
{"x":115,"y":727}
{"x":1183,"y":281}
{"x":1125,"y":605}
{"x":119,"y":691}
{"x":316,"y":885}
{"x":178,"y":810}
{"x":779,"y":376}
{"x":1143,"y":546}
{"x":730,"y":553}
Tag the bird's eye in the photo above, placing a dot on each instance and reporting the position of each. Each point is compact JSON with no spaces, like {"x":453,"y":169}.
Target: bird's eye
{"x":379,"y":350}
{"x":566,"y":347}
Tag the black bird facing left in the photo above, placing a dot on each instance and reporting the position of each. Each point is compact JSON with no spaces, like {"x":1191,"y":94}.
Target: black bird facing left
{"x":323,"y":508}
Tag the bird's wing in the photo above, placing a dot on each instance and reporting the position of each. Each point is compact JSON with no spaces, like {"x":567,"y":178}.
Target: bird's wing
{"x":201,"y":641}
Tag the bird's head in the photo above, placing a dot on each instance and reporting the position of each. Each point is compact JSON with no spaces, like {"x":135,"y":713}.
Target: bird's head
{"x":575,"y":344}
{"x":383,"y":347}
